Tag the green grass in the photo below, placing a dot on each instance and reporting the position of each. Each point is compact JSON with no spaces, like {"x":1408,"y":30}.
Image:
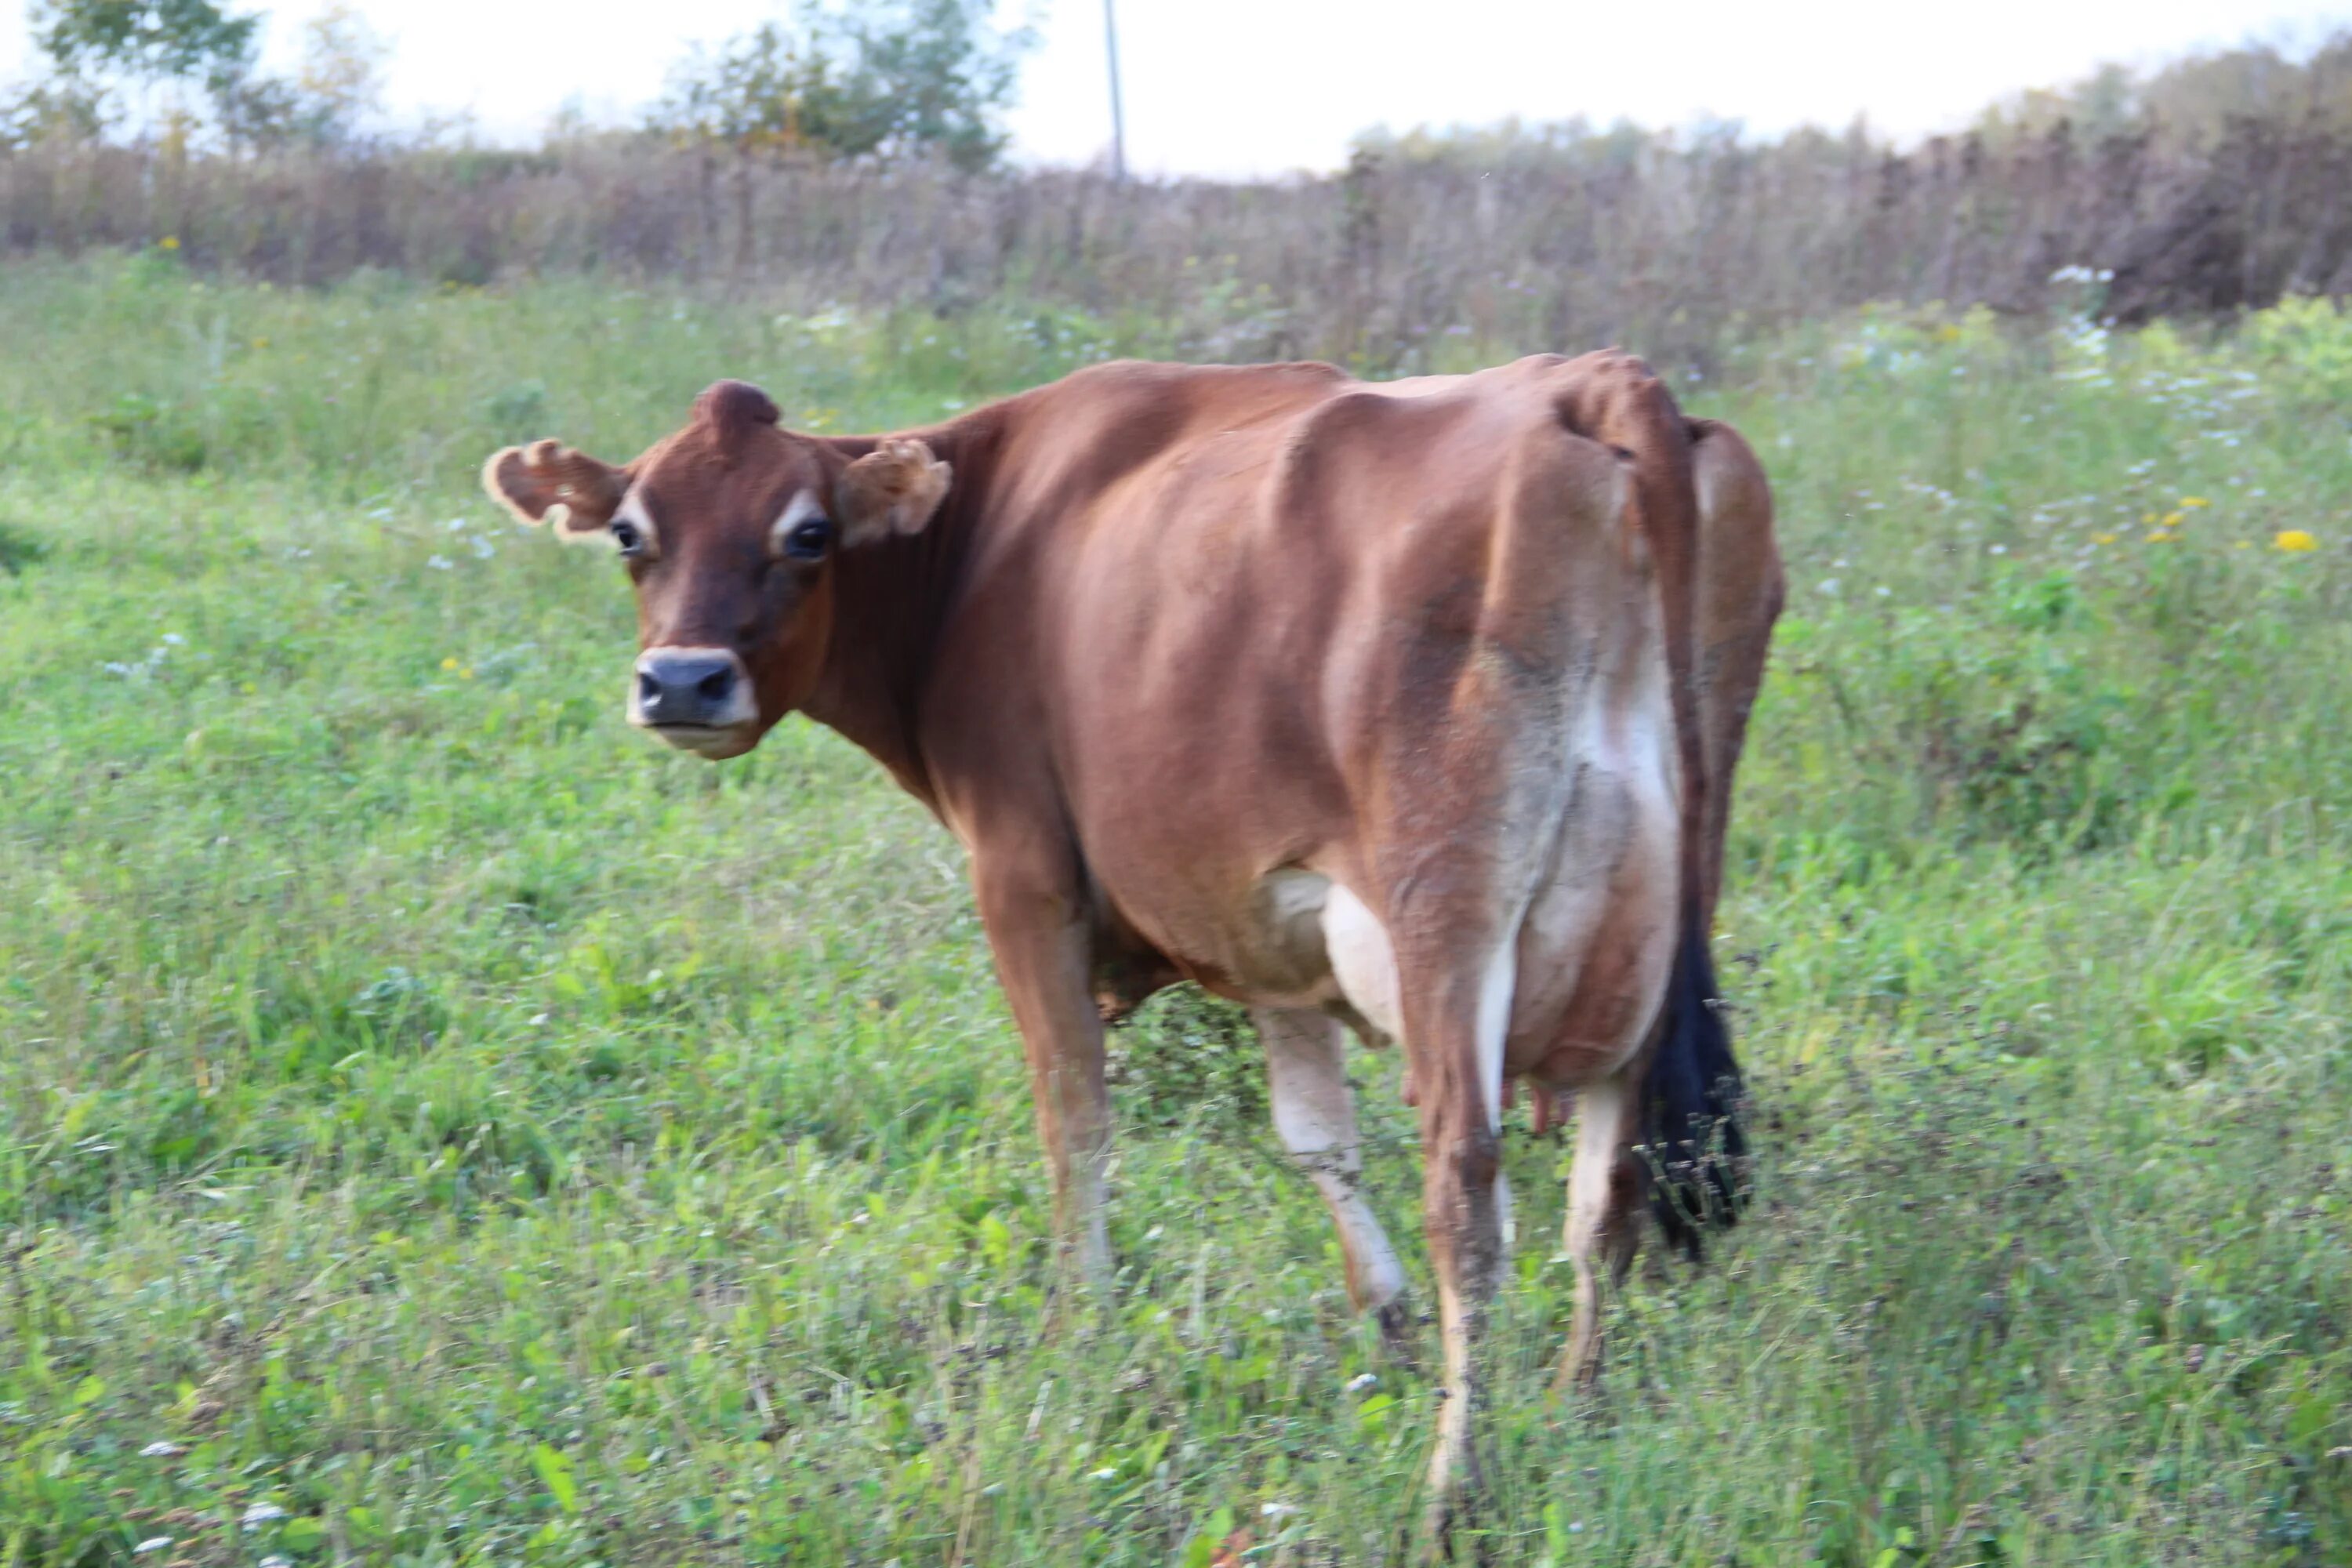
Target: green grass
{"x":449,"y":1120}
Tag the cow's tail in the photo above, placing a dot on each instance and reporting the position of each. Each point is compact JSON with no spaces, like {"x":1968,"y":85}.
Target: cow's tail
{"x":1691,"y":1146}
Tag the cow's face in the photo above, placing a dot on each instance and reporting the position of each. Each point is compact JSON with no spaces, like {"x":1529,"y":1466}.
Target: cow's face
{"x":731,"y":530}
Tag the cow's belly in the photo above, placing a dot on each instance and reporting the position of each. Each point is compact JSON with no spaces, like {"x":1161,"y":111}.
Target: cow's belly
{"x":1258,"y":940}
{"x":1592,"y":948}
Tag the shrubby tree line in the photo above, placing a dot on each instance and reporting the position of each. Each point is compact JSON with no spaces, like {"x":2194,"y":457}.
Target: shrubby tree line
{"x":2188,"y":103}
{"x":829,"y":161}
{"x":853,"y":79}
{"x":2213,"y":183}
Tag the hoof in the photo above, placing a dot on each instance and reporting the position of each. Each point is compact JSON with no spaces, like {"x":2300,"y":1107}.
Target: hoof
{"x":1450,"y":1535}
{"x":1397,"y":1336}
{"x":1578,"y":1377}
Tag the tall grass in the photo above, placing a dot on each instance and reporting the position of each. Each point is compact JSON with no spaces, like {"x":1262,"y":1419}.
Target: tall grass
{"x":435,"y":1127}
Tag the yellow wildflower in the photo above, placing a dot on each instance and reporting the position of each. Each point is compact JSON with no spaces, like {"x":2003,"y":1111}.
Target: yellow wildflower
{"x":2102,"y":538}
{"x":2160,"y":536}
{"x":2295,"y":540}
{"x":169,"y":242}
{"x":2194,"y":501}
{"x":465,"y":672}
{"x":448,"y":664}
{"x":2245,"y":545}
{"x":2147,"y":517}
{"x":2174,"y":518}
{"x":261,"y":342}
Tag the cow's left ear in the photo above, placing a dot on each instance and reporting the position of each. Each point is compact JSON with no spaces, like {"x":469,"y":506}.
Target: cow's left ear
{"x":574,"y":494}
{"x":894,"y":488}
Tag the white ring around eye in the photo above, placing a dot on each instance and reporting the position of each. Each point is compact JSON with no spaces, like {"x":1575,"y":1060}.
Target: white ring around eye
{"x":804,"y":507}
{"x":631,"y":514}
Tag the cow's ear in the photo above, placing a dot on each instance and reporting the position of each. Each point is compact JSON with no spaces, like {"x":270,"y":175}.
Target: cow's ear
{"x":570,"y":492}
{"x":894,"y":488}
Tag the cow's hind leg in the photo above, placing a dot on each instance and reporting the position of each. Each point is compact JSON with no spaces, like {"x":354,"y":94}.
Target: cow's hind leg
{"x":1604,"y":1218}
{"x":1315,"y":1113}
{"x":1454,"y":1026}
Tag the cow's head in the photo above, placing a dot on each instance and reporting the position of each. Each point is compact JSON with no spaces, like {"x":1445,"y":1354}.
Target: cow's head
{"x":731,"y":530}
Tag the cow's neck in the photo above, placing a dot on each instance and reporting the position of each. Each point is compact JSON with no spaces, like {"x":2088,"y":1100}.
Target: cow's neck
{"x":888,"y":601}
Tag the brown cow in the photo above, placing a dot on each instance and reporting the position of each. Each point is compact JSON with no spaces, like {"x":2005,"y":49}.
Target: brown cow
{"x":1411,"y":706}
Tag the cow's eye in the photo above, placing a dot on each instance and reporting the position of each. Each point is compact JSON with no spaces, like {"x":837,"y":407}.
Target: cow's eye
{"x":632,"y":544}
{"x":809,"y":539}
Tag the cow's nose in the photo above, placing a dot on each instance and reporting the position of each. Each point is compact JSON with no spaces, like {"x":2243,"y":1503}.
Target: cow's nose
{"x":689,"y":686}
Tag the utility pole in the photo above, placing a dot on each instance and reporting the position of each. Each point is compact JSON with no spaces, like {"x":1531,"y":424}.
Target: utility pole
{"x":1117,"y":116}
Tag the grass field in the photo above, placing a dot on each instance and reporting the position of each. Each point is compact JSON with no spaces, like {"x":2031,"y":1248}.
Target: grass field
{"x":437,"y":1126}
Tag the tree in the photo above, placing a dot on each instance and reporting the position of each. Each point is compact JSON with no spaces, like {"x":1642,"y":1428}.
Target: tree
{"x":50,"y":111}
{"x":934,"y":76}
{"x":94,"y":44}
{"x":341,"y":80}
{"x":98,"y":47}
{"x":872,"y":78}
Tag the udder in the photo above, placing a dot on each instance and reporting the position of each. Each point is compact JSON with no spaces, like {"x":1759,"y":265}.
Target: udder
{"x":1598,"y":941}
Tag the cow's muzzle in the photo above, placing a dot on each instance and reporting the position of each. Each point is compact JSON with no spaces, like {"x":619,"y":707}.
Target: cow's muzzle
{"x":697,"y":699}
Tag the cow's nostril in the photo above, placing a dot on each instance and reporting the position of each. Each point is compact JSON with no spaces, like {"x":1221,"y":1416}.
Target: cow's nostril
{"x":649,"y":690}
{"x":713,"y":686}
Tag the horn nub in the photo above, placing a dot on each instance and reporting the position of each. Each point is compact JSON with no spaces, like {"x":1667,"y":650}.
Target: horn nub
{"x":732,"y":410}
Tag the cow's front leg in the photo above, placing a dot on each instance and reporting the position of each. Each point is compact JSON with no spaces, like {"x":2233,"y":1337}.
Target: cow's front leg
{"x":1314,"y":1111}
{"x":1042,"y":941}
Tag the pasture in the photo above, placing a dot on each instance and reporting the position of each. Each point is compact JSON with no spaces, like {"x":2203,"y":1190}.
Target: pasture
{"x":439,"y":1126}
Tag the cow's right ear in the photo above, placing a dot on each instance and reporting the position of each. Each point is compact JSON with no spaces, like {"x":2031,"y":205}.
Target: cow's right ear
{"x":570,"y":492}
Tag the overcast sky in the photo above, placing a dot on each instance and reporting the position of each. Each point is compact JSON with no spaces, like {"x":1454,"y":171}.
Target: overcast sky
{"x":1229,"y":86}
